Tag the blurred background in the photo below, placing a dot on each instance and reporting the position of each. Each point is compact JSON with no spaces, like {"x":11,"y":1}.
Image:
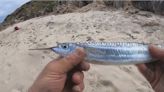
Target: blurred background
{"x":16,"y":11}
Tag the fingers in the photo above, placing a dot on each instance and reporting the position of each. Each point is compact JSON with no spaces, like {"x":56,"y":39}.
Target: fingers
{"x":156,"y":52}
{"x":84,"y":66}
{"x":78,"y":88}
{"x":67,"y":63}
{"x":146,"y":72}
{"x":141,"y":67}
{"x":77,"y":78}
{"x":72,"y":60}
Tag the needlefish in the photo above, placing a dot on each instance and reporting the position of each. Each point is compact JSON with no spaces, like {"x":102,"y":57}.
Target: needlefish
{"x":107,"y":52}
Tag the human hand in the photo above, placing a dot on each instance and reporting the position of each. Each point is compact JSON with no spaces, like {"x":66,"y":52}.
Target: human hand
{"x":63,"y":74}
{"x":154,"y":72}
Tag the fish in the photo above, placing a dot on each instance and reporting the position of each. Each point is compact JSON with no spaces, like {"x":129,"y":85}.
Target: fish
{"x":107,"y":52}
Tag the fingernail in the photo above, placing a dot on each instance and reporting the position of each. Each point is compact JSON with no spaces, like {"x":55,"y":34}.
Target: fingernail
{"x":76,"y":89}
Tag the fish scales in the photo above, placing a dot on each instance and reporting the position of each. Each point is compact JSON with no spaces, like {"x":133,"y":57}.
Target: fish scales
{"x":118,"y":53}
{"x":109,"y":52}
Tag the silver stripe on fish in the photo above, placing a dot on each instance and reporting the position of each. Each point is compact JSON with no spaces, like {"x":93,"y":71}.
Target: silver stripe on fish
{"x":109,"y":52}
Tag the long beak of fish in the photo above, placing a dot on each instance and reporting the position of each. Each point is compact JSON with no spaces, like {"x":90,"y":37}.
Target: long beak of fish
{"x":49,"y":48}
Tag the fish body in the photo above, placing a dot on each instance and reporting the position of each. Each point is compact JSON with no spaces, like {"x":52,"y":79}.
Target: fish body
{"x":109,"y":52}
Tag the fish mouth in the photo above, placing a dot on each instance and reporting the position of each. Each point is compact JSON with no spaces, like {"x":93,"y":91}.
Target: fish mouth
{"x":55,"y":49}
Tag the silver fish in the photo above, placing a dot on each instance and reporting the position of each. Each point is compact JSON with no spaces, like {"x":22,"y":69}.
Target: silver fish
{"x":108,"y":52}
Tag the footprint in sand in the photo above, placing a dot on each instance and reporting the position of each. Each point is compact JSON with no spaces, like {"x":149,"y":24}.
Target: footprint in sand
{"x":43,"y":57}
{"x":47,"y":36}
{"x":46,"y":52}
{"x":109,"y":85}
{"x":89,"y":38}
{"x":45,"y":44}
{"x":106,"y":82}
{"x":101,"y":39}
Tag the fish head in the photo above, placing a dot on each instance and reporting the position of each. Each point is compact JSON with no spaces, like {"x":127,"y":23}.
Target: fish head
{"x":64,"y":49}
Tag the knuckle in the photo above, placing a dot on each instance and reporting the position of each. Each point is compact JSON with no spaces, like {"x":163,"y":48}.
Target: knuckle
{"x":74,"y":58}
{"x":80,"y":52}
{"x":69,"y":61}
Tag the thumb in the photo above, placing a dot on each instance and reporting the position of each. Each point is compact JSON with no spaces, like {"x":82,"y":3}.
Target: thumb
{"x":65,"y":64}
{"x":156,"y":52}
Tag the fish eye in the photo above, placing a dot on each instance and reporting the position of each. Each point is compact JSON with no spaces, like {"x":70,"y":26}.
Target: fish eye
{"x":64,"y":46}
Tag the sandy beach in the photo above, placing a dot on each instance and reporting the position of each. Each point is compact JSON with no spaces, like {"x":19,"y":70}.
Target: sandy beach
{"x":20,"y":66}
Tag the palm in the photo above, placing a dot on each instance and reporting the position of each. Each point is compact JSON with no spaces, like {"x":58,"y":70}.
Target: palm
{"x":154,"y":72}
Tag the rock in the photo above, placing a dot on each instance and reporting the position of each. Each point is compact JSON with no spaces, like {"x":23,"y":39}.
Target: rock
{"x":153,"y":6}
{"x":146,"y":14}
{"x":16,"y":28}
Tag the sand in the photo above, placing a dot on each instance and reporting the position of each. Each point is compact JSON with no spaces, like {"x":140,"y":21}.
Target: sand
{"x":20,"y":66}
